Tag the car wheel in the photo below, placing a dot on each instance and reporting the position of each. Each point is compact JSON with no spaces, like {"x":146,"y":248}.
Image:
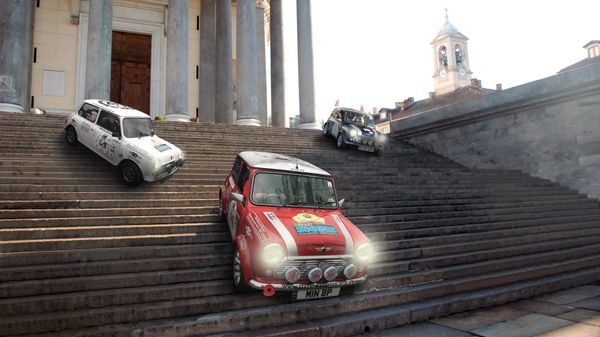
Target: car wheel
{"x":72,"y":136}
{"x":238,"y":273}
{"x":340,"y":141}
{"x":131,"y":174}
{"x":325,"y":129}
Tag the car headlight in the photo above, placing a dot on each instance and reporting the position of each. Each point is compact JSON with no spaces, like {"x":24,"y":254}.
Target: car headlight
{"x":353,"y":133}
{"x":364,"y":253}
{"x":156,"y":165}
{"x":273,"y":254}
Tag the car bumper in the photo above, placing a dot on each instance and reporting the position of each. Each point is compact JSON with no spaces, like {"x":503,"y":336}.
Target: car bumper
{"x":168,"y":170}
{"x":367,"y":142}
{"x":303,"y":286}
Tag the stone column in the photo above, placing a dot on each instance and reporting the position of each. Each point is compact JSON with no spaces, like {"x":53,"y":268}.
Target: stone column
{"x":15,"y":62}
{"x":247,"y":64}
{"x":99,"y":48}
{"x":305,"y":66}
{"x":262,"y":68}
{"x":207,"y":61}
{"x":177,"y":61}
{"x":224,"y":73}
{"x":277,"y":67}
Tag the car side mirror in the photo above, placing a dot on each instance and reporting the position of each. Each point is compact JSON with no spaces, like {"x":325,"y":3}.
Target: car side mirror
{"x":238,"y":197}
{"x":116,"y":134}
{"x":341,"y":203}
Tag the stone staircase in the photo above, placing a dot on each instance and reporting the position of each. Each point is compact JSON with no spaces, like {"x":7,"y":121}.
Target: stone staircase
{"x":83,"y":255}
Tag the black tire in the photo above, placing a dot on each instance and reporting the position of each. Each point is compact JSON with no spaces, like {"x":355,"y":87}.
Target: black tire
{"x":72,"y":136}
{"x":340,"y":141}
{"x":131,"y":174}
{"x":325,"y":129}
{"x":238,"y":274}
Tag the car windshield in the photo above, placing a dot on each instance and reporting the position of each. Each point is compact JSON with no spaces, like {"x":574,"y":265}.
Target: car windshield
{"x":275,"y":189}
{"x":359,"y":119}
{"x":137,"y":127}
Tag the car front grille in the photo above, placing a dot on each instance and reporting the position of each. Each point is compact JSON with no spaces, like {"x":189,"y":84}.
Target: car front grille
{"x":305,"y":265}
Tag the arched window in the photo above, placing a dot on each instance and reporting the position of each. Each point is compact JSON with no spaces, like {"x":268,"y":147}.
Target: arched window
{"x":459,"y":54}
{"x":443,"y":56}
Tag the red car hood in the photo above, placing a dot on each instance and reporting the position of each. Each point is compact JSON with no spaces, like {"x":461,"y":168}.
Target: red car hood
{"x":310,"y":232}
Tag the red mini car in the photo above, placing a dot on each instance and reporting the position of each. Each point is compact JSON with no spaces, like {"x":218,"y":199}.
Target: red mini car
{"x":288,"y":229}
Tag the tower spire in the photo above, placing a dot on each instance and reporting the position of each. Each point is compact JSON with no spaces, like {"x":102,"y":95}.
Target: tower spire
{"x":446,"y":9}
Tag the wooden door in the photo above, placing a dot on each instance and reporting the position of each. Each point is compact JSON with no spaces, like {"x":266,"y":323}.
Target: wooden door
{"x":130,"y":73}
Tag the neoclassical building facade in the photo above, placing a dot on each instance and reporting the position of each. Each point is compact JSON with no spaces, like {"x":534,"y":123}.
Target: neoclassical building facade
{"x":184,"y":59}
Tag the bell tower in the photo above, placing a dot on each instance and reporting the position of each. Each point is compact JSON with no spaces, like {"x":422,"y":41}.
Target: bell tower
{"x":451,"y":59}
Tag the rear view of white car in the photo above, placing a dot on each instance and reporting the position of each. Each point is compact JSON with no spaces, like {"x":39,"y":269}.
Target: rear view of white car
{"x":125,"y":138}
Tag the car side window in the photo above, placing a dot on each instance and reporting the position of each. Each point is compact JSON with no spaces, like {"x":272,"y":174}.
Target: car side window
{"x":88,"y":112}
{"x":235,"y":171}
{"x":109,"y":122}
{"x":244,"y":174}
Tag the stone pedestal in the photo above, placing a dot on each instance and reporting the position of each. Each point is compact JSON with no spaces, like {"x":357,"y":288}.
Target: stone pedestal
{"x":177,"y":61}
{"x":99,"y":42}
{"x":247,"y":64}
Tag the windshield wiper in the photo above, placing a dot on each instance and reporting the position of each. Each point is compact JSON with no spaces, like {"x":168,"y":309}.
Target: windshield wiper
{"x":293,"y":203}
{"x":320,"y":204}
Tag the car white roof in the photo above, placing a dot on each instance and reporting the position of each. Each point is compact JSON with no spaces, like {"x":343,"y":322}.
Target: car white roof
{"x":117,"y":109}
{"x":280,"y":162}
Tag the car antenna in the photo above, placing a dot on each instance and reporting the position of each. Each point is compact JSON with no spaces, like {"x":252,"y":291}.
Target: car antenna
{"x":297,"y":164}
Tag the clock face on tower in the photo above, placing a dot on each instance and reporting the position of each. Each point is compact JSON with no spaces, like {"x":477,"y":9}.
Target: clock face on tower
{"x":443,"y":73}
{"x":462,"y":71}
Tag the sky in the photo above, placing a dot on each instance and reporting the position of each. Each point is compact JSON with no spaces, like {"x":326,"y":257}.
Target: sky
{"x":377,"y":52}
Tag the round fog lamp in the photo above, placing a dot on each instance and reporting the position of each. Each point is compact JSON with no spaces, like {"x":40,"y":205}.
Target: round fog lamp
{"x":315,"y":275}
{"x":350,"y":271}
{"x":331,"y":273}
{"x":292,"y":275}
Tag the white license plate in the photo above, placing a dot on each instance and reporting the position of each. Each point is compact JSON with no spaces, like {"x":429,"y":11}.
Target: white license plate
{"x":315,"y":293}
{"x":366,"y":148}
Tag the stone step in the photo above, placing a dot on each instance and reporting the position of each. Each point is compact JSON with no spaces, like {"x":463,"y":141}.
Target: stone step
{"x":429,"y":258}
{"x":124,"y":280}
{"x":107,"y":242}
{"x":100,"y":196}
{"x":482,"y":215}
{"x":104,"y":212}
{"x":33,"y":260}
{"x":407,"y":277}
{"x":275,"y":312}
{"x":401,"y":209}
{"x":39,"y":233}
{"x":379,"y":320}
{"x":104,"y":203}
{"x":434,"y":235}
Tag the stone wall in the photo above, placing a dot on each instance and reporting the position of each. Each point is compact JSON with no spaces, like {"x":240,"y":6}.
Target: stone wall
{"x":549,"y":128}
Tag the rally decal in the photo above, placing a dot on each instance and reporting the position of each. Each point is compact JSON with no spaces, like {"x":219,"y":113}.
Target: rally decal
{"x":162,"y":147}
{"x":347,"y":236}
{"x":290,"y":243}
{"x":307,"y":217}
{"x":319,"y":229}
{"x":258,"y":228}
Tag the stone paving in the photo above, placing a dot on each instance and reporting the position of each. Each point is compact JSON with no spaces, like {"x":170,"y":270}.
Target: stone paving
{"x":573,"y":312}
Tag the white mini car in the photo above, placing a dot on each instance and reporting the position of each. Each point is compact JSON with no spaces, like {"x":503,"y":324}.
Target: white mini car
{"x":125,"y":138}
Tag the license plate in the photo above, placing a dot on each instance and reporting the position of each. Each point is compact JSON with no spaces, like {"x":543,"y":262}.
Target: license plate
{"x":366,"y":148}
{"x":315,"y":293}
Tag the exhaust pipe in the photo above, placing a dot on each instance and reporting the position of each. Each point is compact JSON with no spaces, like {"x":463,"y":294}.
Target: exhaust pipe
{"x":268,"y":290}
